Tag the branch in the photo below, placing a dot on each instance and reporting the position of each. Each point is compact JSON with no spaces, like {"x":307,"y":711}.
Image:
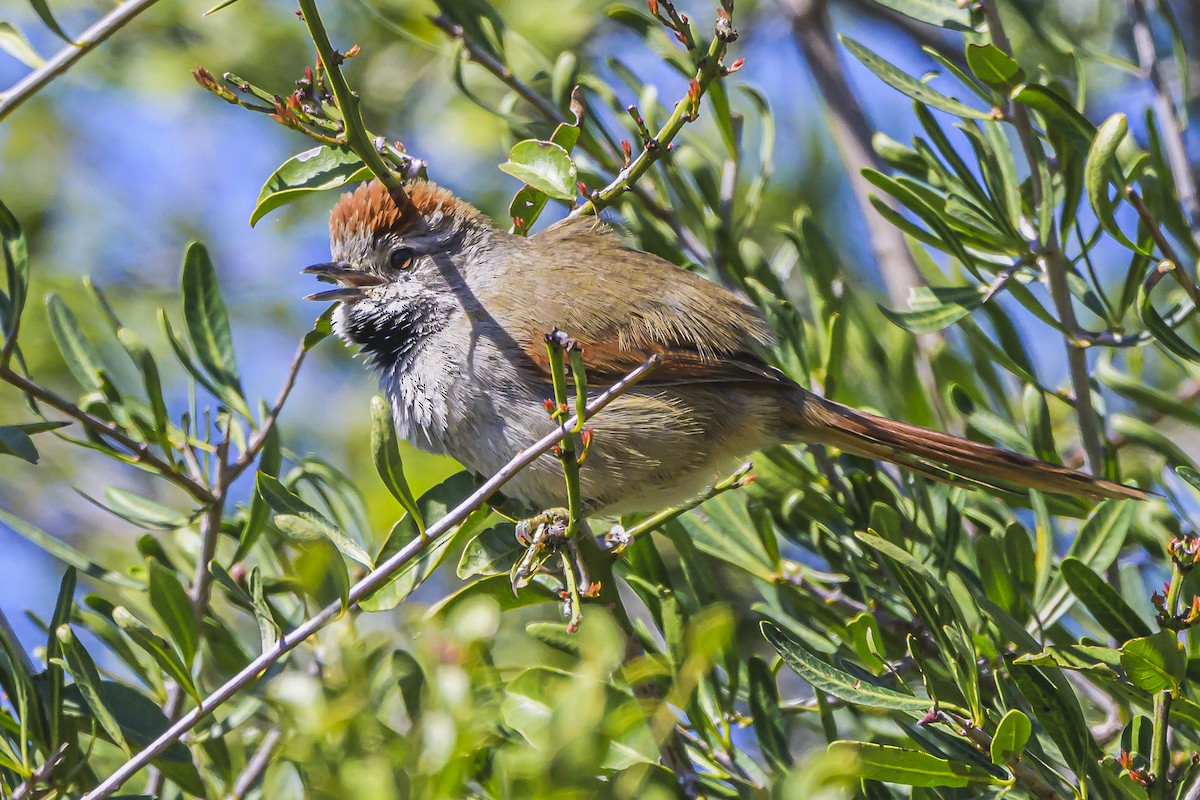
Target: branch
{"x":1164,"y":107}
{"x":357,"y":138}
{"x":257,"y":765}
{"x":1054,"y":263}
{"x":606,"y":157}
{"x":852,"y":137}
{"x":63,"y":59}
{"x":141,"y":453}
{"x":708,"y":69}
{"x":40,"y":774}
{"x":373,"y":581}
{"x":1179,"y":271}
{"x":268,"y":424}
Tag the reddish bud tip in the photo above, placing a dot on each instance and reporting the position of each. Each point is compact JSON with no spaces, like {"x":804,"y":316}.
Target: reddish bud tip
{"x":353,"y":51}
{"x":736,"y":65}
{"x":548,"y":405}
{"x":583,"y":189}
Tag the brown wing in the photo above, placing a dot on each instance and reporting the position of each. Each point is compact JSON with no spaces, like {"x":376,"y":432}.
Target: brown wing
{"x":623,"y":305}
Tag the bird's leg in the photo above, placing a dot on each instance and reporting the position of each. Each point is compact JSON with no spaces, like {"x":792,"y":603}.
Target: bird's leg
{"x":545,"y":537}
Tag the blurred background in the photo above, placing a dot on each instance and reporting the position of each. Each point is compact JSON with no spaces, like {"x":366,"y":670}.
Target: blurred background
{"x":120,"y":163}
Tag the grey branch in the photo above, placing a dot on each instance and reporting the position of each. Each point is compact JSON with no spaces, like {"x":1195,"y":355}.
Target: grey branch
{"x":62,"y":60}
{"x":376,"y":579}
{"x":852,"y":135}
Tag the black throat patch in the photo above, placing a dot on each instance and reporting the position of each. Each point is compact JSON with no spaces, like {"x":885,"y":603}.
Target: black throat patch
{"x":390,"y":335}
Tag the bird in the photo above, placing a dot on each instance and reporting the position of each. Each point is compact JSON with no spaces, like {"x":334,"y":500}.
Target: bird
{"x":453,"y":313}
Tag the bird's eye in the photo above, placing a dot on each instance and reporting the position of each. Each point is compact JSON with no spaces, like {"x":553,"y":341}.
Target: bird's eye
{"x":402,"y":258}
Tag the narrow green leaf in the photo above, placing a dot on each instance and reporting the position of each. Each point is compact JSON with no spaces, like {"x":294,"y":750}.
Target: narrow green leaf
{"x":934,"y":12}
{"x":1143,"y":394}
{"x":16,"y":269}
{"x":880,"y":762}
{"x":993,"y":66}
{"x":1101,"y":169}
{"x":170,"y":602}
{"x":1008,"y":742}
{"x":13,"y":42}
{"x":545,"y":166}
{"x":65,"y":553}
{"x":158,"y":648}
{"x":207,"y":325}
{"x":54,"y":672}
{"x":317,"y":170}
{"x":1062,"y":120}
{"x":935,"y":308}
{"x":1154,"y":663}
{"x":143,"y":511}
{"x":1056,"y":707}
{"x":42,"y":9}
{"x":307,"y":527}
{"x":1162,"y":331}
{"x":1103,"y":601}
{"x":87,"y":679}
{"x":893,"y":76}
{"x":268,"y":630}
{"x":825,"y":677}
{"x":386,"y":453}
{"x":16,"y":442}
{"x":769,"y":725}
{"x":322,"y":328}
{"x":80,"y":356}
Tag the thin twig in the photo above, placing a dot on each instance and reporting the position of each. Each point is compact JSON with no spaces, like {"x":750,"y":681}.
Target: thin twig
{"x":61,"y":61}
{"x":1055,"y":265}
{"x":709,"y":69}
{"x":26,"y":789}
{"x":140,"y":452}
{"x":257,"y":765}
{"x":373,"y":581}
{"x":852,"y":137}
{"x":1025,"y":775}
{"x":268,"y":424}
{"x":723,"y":759}
{"x":1180,"y":272}
{"x":594,"y":147}
{"x":1165,"y":111}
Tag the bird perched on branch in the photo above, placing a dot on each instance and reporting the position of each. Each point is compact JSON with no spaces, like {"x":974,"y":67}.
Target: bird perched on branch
{"x":453,"y":313}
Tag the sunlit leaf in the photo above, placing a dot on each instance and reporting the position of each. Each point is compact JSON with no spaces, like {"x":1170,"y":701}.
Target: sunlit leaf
{"x":317,"y":170}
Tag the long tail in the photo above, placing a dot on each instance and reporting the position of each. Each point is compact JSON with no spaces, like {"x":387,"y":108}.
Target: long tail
{"x":825,"y":422}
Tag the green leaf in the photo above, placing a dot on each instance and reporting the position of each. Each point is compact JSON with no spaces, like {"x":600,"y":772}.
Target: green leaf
{"x":1190,"y":475}
{"x":158,"y":648}
{"x":993,"y":66}
{"x":80,"y":356}
{"x":1162,"y":331}
{"x":1154,"y":663}
{"x":170,"y":602}
{"x":1061,"y":118}
{"x":825,"y":677}
{"x":322,"y":328}
{"x":1008,"y":742}
{"x":307,"y":527}
{"x":42,"y":9}
{"x":87,"y":680}
{"x":934,"y":12}
{"x":13,"y":42}
{"x":769,"y":725}
{"x":316,"y":170}
{"x":722,"y":529}
{"x":1101,"y":169}
{"x":1056,"y":707}
{"x":1143,"y":394}
{"x":63,"y":606}
{"x":1103,"y":601}
{"x":935,"y":308}
{"x":893,"y":76}
{"x":890,"y":764}
{"x":492,"y":552}
{"x":65,"y":553}
{"x":499,"y":589}
{"x":527,"y":204}
{"x":144,"y":512}
{"x":16,"y":269}
{"x":16,"y":442}
{"x":207,"y":324}
{"x":386,"y":453}
{"x":545,"y":166}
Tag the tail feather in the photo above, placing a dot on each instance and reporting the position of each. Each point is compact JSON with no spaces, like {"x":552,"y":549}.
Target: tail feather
{"x":910,"y":445}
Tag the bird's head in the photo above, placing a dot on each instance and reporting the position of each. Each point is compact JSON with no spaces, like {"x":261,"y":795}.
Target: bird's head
{"x":397,"y":266}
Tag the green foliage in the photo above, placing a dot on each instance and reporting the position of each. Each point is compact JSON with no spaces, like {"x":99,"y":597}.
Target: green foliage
{"x":825,"y":627}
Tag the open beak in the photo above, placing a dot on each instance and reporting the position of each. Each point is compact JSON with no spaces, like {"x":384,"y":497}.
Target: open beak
{"x":353,"y":281}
